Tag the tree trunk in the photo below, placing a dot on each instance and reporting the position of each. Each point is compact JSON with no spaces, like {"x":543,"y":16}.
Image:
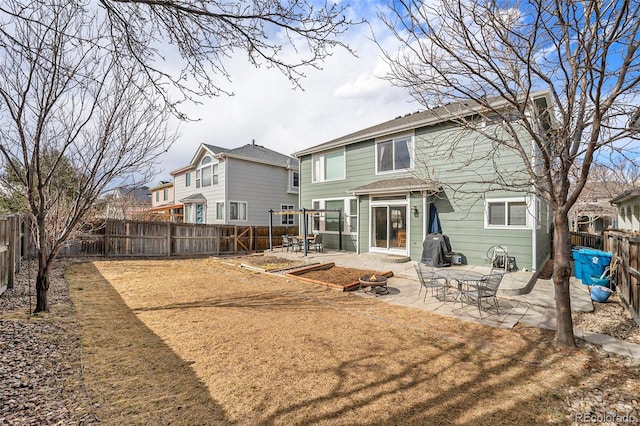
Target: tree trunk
{"x":561,"y":277}
{"x":42,"y":279}
{"x":42,"y":284}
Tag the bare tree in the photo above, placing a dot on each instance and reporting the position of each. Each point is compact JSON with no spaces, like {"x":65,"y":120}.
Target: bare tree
{"x":492,"y":55}
{"x":289,"y":35}
{"x":76,"y":117}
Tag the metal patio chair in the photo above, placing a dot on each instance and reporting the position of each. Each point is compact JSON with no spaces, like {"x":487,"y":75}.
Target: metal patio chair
{"x":486,"y":289}
{"x":429,"y":280}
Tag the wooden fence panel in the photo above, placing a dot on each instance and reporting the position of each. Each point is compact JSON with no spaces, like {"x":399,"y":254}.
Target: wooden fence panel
{"x":137,"y":238}
{"x":190,"y":239}
{"x":625,"y":247}
{"x":10,"y":248}
{"x":4,"y":253}
{"x":584,"y":239}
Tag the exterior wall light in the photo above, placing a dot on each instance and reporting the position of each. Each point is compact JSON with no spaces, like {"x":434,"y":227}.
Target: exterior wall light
{"x":415,"y":211}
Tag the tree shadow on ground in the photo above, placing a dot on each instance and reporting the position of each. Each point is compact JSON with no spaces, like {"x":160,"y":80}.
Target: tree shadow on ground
{"x":130,"y":373}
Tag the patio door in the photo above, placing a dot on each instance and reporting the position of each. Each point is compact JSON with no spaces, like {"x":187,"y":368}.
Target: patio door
{"x":389,"y":227}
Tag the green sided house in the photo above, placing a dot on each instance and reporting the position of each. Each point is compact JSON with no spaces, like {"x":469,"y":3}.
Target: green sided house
{"x":398,"y":181}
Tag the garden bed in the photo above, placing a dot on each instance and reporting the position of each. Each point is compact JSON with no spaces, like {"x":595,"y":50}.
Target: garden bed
{"x":330,"y":275}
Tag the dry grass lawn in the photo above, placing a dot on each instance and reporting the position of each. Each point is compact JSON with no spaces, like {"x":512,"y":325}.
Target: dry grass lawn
{"x":206,"y":342}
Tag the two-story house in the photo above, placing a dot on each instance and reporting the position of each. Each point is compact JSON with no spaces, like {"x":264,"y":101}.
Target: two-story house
{"x":126,"y":202}
{"x":628,"y":204}
{"x":398,"y":181}
{"x":163,"y":205}
{"x":237,"y":186}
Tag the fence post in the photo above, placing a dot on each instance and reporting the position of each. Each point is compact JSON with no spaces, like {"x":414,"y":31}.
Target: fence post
{"x":168,"y":239}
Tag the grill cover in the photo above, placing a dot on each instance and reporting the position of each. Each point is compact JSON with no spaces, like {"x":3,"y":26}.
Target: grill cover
{"x":438,"y":248}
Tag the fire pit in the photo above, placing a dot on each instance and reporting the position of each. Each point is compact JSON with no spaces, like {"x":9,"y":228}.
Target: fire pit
{"x":377,"y":284}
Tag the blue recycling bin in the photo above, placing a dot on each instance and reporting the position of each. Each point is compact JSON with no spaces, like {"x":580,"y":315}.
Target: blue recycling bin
{"x":592,"y":262}
{"x":577,"y":263}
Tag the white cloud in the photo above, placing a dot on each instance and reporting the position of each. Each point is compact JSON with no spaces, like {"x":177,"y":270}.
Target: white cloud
{"x":343,"y":97}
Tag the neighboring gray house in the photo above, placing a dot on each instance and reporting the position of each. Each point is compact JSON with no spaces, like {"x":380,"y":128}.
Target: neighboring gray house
{"x":391,"y":179}
{"x":237,"y":186}
{"x":628,"y":204}
{"x":125,"y":202}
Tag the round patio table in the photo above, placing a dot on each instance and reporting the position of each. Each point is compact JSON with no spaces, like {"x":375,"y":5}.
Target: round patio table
{"x":461,"y":277}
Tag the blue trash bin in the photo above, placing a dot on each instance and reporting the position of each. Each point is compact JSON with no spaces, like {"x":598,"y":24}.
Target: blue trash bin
{"x":577,"y":263}
{"x":592,"y":262}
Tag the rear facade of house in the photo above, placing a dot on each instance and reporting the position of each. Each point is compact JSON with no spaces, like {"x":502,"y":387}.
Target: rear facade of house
{"x":237,"y":186}
{"x":399,"y":181}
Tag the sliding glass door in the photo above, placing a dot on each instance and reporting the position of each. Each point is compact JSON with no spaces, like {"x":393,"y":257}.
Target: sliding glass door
{"x":389,"y":227}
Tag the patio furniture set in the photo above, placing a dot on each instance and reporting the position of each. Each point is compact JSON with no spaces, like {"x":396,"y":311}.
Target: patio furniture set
{"x":296,"y":242}
{"x":467,"y":284}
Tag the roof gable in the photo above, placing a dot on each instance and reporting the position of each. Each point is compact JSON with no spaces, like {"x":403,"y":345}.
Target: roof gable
{"x":258,"y":152}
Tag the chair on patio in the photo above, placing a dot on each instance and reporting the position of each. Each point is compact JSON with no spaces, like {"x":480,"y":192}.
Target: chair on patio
{"x":486,"y":289}
{"x":286,"y":243}
{"x":317,"y":243}
{"x":296,"y":243}
{"x":429,"y":280}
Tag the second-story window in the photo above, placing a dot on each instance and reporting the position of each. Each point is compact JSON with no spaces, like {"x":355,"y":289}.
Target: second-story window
{"x":165,"y":194}
{"x":328,"y":166}
{"x":187,"y":179}
{"x":394,"y":155}
{"x":203,"y":173}
{"x":214,"y":173}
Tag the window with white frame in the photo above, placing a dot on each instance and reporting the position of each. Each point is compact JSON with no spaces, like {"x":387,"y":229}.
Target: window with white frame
{"x":204,"y":172}
{"x":187,"y":179}
{"x":506,"y":213}
{"x":330,"y":221}
{"x":287,"y":219}
{"x":328,"y":166}
{"x":315,"y":223}
{"x":294,"y":180}
{"x":157,"y":196}
{"x":214,"y":174}
{"x":352,"y":215}
{"x":394,"y":155}
{"x":333,"y":220}
{"x":237,"y":210}
{"x":219,"y":211}
{"x":165,"y":194}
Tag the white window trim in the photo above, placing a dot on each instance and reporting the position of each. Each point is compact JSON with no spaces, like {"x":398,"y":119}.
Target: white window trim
{"x":394,"y":139}
{"x":246,"y":211}
{"x":346,"y":214}
{"x":320,"y":179}
{"x":292,"y":188}
{"x":530,"y":214}
{"x":200,"y":176}
{"x":218,"y":203}
{"x":287,"y":219}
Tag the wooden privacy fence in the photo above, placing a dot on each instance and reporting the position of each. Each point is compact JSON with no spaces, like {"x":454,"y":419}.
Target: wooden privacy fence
{"x":584,"y":239}
{"x":135,"y":238}
{"x":624,"y":246}
{"x":10,"y":248}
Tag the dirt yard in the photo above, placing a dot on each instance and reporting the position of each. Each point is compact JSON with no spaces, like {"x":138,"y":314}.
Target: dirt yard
{"x":206,"y":342}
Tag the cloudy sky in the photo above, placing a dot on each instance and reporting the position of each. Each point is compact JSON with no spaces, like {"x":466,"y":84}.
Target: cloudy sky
{"x":345,"y":96}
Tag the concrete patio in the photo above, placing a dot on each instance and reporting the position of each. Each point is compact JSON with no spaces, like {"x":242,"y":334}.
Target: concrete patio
{"x":522,"y":299}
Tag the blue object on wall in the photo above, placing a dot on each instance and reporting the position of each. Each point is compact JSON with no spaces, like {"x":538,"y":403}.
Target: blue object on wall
{"x":434,"y":220}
